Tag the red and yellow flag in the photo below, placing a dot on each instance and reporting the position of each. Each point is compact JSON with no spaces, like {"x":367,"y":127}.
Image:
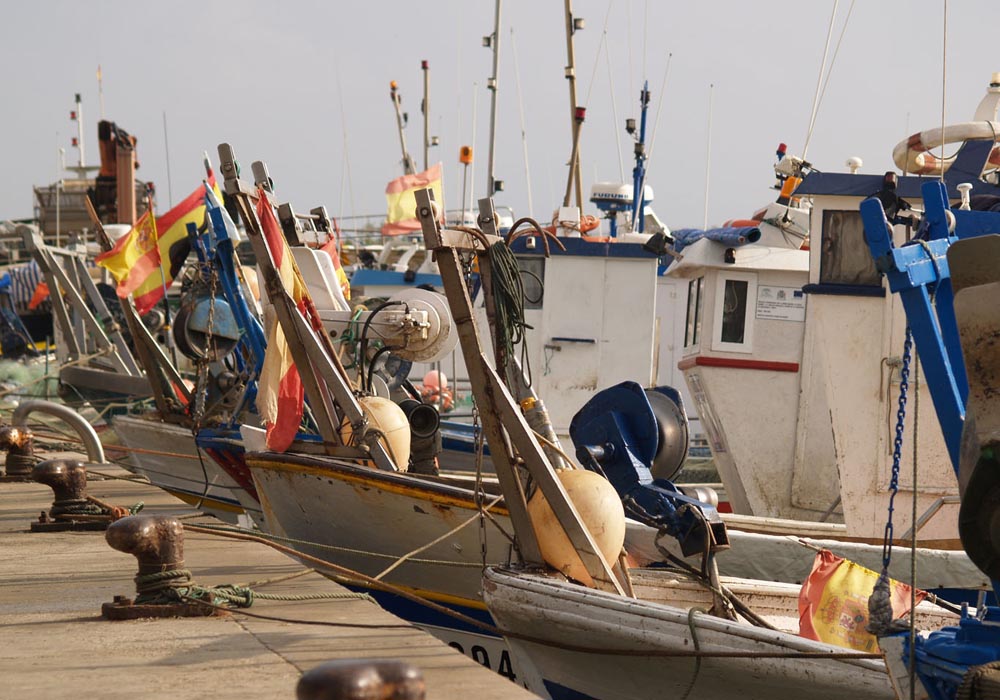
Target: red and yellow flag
{"x":152,"y":245}
{"x":833,"y":602}
{"x":332,"y":248}
{"x":280,"y":394}
{"x":401,"y":216}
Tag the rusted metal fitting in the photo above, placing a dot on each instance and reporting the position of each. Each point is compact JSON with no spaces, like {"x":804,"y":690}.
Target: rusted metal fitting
{"x":20,"y":445}
{"x":362,"y":679}
{"x":157,"y":542}
{"x":71,"y":508}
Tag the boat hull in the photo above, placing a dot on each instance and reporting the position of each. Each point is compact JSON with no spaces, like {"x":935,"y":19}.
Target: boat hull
{"x":365,"y":520}
{"x":567,"y":614}
{"x":180,"y":468}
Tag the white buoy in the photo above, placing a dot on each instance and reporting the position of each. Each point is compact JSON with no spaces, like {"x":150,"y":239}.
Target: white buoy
{"x":601,"y":511}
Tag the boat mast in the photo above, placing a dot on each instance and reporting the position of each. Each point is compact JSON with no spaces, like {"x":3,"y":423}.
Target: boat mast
{"x":493,"y":41}
{"x":639,"y":171}
{"x":79,"y":131}
{"x":81,"y":168}
{"x":572,"y":25}
{"x":408,"y":166}
{"x":425,"y":107}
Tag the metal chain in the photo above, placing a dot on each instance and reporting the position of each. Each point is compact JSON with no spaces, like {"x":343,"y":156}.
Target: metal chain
{"x":897,"y":448}
{"x":477,"y":432}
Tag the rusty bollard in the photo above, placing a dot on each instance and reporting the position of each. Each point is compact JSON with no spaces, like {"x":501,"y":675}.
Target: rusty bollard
{"x":157,"y":541}
{"x":20,"y":445}
{"x":71,"y":508}
{"x":362,"y":679}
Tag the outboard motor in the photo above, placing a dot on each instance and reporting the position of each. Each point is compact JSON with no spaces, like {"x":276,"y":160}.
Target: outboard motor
{"x":637,"y":439}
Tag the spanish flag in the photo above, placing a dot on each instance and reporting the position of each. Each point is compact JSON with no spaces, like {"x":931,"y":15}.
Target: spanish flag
{"x":833,"y":602}
{"x":152,"y":245}
{"x":332,"y":248}
{"x":401,"y":216}
{"x":280,"y":394}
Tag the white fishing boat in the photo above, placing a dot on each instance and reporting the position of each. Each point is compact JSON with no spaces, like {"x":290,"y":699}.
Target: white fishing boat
{"x":811,"y":341}
{"x":572,"y":641}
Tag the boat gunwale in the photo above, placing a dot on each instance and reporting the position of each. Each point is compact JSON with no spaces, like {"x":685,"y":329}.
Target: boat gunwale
{"x":539,"y":585}
{"x":402,"y":483}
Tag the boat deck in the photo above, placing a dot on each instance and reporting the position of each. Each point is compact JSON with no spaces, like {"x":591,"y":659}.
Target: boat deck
{"x":57,"y":645}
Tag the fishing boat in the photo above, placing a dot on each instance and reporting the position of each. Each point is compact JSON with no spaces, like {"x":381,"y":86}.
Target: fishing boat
{"x":806,"y":337}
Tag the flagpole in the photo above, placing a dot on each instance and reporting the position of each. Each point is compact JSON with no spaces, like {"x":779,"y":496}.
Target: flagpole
{"x":168,"y":336}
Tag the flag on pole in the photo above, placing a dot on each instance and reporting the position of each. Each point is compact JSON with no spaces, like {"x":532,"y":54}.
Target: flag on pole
{"x":332,"y":248}
{"x":833,"y":602}
{"x":154,"y":245}
{"x":280,"y":394}
{"x":400,"y":195}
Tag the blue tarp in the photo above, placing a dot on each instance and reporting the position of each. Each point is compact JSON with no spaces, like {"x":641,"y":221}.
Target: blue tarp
{"x":730,"y":236}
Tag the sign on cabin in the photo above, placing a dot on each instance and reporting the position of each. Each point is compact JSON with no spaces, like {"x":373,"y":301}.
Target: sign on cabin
{"x":781,"y":303}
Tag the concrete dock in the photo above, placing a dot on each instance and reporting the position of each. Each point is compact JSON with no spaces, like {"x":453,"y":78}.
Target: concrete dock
{"x":55,"y":644}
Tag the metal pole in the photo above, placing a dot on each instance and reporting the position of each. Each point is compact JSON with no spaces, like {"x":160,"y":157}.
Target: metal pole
{"x":575,"y":125}
{"x":708,"y":155}
{"x":426,"y":108}
{"x":574,"y":159}
{"x":166,"y":148}
{"x":100,"y":88}
{"x":465,"y":179}
{"x":475,"y":107}
{"x":79,"y":132}
{"x":408,"y":166}
{"x":491,"y":84}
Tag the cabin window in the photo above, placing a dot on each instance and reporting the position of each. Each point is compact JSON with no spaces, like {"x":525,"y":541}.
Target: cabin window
{"x":692,"y":327}
{"x":844,"y":256}
{"x":533,"y":278}
{"x":733,"y":312}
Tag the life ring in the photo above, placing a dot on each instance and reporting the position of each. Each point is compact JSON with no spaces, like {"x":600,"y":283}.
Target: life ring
{"x":441,"y":398}
{"x":912,"y":157}
{"x":588,"y":222}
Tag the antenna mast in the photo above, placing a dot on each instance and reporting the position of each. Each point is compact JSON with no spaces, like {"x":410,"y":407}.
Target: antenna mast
{"x":572,"y":25}
{"x":493,"y":41}
{"x":408,"y":166}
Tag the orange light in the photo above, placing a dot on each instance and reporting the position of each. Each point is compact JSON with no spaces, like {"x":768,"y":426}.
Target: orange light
{"x":392,"y":85}
{"x":465,"y":155}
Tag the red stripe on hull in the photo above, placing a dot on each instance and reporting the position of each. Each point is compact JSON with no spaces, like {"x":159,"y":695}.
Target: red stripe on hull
{"x":732,"y":363}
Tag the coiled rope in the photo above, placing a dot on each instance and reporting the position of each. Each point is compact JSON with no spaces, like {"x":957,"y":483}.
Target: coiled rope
{"x":508,"y":295}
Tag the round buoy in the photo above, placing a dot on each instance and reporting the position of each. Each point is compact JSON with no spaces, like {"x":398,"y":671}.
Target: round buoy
{"x":601,"y":511}
{"x":435,"y":380}
{"x":390,"y":420}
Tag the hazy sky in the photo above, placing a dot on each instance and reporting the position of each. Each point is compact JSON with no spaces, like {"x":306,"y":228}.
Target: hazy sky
{"x":304,"y":86}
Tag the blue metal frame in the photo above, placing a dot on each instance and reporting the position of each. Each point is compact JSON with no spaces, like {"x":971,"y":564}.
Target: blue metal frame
{"x":918,"y":271}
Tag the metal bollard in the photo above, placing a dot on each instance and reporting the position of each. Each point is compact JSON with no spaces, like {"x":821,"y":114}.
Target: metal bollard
{"x":20,"y":445}
{"x":157,"y":541}
{"x":71,"y":508}
{"x":362,"y":679}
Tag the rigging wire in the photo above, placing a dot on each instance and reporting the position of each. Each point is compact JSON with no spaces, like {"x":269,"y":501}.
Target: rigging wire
{"x":659,"y":111}
{"x":614,"y":111}
{"x":597,"y":57}
{"x":836,"y":50}
{"x":819,"y":79}
{"x":347,"y":155}
{"x":520,"y":111}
